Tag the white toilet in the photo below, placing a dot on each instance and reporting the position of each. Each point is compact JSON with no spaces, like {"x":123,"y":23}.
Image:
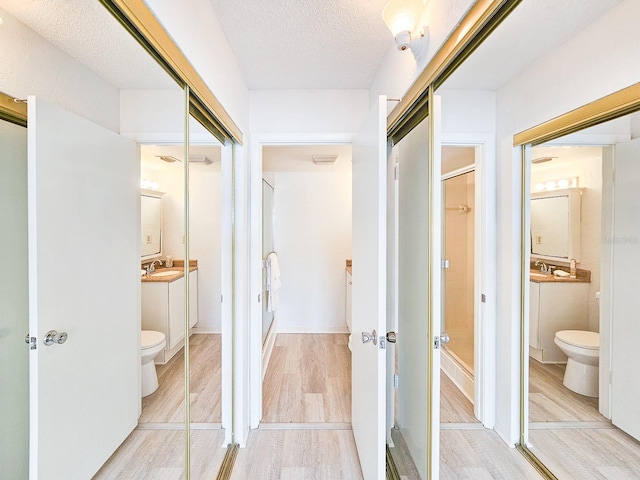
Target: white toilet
{"x":583,"y":351}
{"x":152,"y":344}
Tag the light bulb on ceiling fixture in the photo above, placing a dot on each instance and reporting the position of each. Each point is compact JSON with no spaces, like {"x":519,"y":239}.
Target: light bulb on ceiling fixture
{"x":401,"y":17}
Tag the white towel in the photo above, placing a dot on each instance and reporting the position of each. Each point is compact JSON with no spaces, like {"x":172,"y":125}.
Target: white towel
{"x":273,"y":281}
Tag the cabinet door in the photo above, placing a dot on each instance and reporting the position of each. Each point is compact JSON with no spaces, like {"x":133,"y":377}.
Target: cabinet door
{"x":176,"y":312}
{"x":347,"y":311}
{"x":193,"y":298}
{"x":534,"y":314}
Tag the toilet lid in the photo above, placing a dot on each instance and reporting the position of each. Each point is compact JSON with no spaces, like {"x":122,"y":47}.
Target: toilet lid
{"x":151,"y":339}
{"x":580,"y":338}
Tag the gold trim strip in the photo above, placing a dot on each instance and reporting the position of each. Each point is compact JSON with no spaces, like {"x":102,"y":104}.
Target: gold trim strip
{"x":228,"y":462}
{"x":535,"y":461}
{"x":391,"y":468}
{"x":154,"y":33}
{"x":607,"y":108}
{"x":14,"y":112}
{"x":470,"y":28}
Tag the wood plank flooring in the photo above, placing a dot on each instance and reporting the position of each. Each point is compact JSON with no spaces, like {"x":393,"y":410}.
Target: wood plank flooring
{"x":308,"y":380}
{"x":608,"y":454}
{"x":166,"y":405}
{"x":159,"y":455}
{"x":298,"y":454}
{"x":454,"y":406}
{"x":551,"y":401}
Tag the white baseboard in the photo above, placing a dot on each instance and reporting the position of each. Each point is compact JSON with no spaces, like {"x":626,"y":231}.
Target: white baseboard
{"x":314,"y":329}
{"x":267,"y":347}
{"x":458,"y":375}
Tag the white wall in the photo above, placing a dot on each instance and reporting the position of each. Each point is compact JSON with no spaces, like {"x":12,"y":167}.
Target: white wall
{"x":313,"y":240}
{"x":315,"y":111}
{"x":30,"y":65}
{"x":598,"y":61}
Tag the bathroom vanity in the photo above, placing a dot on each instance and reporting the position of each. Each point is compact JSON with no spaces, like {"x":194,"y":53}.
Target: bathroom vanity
{"x":555,"y":304}
{"x":163,"y":306}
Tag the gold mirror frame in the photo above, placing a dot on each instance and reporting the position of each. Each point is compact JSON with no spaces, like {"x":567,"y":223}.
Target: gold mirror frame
{"x":610,"y":107}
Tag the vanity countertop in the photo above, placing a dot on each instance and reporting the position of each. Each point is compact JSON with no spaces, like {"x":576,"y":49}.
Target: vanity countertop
{"x":349,"y":268}
{"x":178,"y":268}
{"x":582,"y":276}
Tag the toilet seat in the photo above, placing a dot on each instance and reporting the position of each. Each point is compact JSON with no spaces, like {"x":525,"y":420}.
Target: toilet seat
{"x":150,"y":339}
{"x":580,"y":339}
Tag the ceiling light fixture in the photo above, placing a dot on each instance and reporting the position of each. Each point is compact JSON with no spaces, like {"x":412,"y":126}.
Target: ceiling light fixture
{"x":192,"y":159}
{"x":325,"y":159}
{"x":168,"y":158}
{"x":401,"y":17}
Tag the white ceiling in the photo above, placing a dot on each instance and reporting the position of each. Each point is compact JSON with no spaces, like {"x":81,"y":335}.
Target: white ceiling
{"x":306,"y":44}
{"x":303,"y":44}
{"x":534,"y":28}
{"x":299,"y":158}
{"x":90,"y":34}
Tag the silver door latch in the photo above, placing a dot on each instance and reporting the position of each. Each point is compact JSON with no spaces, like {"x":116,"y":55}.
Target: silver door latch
{"x":31,"y":341}
{"x":440,"y":340}
{"x":370,"y":337}
{"x":54,"y":337}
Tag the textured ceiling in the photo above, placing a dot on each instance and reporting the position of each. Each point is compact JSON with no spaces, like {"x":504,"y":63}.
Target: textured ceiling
{"x":299,"y":158}
{"x":533,"y":29}
{"x":306,"y":44}
{"x":89,"y":33}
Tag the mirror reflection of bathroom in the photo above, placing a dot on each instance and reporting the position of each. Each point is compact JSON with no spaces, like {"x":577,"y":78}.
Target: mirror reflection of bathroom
{"x":162,"y":171}
{"x":306,"y":243}
{"x":459,"y":316}
{"x":581,"y":313}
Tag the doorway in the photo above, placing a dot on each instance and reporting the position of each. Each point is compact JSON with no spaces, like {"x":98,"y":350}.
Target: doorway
{"x":459,"y":290}
{"x":307,"y":373}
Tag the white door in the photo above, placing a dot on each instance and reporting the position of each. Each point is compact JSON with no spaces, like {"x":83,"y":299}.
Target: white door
{"x":369,"y":291}
{"x":419,"y":280}
{"x":625,"y":327}
{"x":84,"y":280}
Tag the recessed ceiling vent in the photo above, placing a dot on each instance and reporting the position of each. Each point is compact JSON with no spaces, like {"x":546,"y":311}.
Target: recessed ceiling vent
{"x":325,"y":159}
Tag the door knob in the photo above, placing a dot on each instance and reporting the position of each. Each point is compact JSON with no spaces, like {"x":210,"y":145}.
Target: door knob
{"x":54,"y":337}
{"x":444,"y":338}
{"x":392,"y":337}
{"x":370,"y":337}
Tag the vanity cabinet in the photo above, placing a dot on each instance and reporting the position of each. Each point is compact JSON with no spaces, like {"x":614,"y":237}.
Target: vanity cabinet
{"x":347,"y":294}
{"x":555,"y":306}
{"x":163,"y":311}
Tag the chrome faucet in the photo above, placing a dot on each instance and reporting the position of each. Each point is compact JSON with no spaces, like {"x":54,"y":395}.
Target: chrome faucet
{"x":151,"y":267}
{"x":543,"y":266}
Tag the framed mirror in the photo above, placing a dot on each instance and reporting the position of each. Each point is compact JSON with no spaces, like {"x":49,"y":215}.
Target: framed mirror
{"x":150,"y":224}
{"x":555,"y":225}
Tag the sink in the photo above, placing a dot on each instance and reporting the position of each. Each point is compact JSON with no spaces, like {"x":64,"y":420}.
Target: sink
{"x":538,"y":274}
{"x":165,"y":273}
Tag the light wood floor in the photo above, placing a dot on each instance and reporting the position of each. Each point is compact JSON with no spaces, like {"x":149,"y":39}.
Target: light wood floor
{"x":166,"y":405}
{"x":308,"y":380}
{"x":159,"y":455}
{"x":454,"y":406}
{"x":551,"y":401}
{"x":298,"y":454}
{"x":587,"y":453}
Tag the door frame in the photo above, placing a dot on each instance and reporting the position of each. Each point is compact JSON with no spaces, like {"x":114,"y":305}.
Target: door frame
{"x":485,"y":261}
{"x":259,"y":140}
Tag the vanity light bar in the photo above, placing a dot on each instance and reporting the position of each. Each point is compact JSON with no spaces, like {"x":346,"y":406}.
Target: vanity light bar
{"x":559,"y":184}
{"x":148,"y":184}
